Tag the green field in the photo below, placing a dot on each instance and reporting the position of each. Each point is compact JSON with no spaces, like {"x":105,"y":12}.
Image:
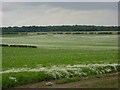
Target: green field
{"x":59,"y":52}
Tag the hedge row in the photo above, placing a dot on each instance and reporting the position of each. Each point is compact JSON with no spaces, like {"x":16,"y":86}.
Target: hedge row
{"x":75,"y":33}
{"x":82,"y":32}
{"x":26,"y":46}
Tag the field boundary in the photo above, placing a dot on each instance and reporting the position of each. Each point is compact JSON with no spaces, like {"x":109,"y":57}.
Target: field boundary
{"x":64,"y":32}
{"x":25,"y":46}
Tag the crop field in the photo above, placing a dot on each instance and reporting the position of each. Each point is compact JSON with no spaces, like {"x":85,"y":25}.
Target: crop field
{"x":57,"y":56}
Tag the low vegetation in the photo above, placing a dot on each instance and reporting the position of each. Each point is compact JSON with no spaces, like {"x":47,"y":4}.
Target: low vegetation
{"x":57,"y":57}
{"x":21,"y":76}
{"x":26,"y":46}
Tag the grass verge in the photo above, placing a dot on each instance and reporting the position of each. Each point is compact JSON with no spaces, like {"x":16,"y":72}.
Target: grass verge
{"x":16,"y":77}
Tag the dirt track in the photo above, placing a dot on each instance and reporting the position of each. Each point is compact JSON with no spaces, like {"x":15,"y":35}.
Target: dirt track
{"x":101,"y":81}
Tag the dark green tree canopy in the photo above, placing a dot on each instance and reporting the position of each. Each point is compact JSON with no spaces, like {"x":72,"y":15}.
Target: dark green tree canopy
{"x":16,"y":29}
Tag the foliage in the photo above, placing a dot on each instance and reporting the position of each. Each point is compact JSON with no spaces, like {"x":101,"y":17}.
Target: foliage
{"x":16,"y":29}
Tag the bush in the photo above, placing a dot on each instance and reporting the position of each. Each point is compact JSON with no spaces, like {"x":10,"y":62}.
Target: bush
{"x":49,"y":84}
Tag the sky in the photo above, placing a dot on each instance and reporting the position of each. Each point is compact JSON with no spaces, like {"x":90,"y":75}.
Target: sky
{"x":60,"y":0}
{"x":59,"y":13}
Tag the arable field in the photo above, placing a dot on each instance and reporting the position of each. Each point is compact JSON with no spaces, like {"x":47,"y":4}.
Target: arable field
{"x":57,"y":56}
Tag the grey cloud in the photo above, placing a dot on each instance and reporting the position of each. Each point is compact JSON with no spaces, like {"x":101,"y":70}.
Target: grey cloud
{"x":60,"y":0}
{"x":86,"y":5}
{"x":7,"y":6}
{"x":59,"y":13}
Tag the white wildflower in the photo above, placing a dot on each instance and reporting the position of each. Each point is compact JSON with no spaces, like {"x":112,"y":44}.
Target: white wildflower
{"x":13,"y":78}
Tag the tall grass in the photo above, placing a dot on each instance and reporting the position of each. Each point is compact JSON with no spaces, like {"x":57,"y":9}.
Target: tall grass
{"x":15,"y":77}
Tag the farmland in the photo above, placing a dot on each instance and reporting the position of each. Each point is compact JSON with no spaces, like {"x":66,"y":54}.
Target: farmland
{"x":57,"y":56}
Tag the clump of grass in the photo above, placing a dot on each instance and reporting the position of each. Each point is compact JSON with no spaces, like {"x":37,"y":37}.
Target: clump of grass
{"x":49,"y":84}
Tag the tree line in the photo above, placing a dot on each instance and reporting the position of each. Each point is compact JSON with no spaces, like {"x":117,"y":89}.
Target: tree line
{"x":16,"y":29}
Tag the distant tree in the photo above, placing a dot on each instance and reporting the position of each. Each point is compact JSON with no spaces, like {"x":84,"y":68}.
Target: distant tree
{"x":16,"y":29}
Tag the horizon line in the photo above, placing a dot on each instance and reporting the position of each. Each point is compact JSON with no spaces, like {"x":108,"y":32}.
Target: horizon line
{"x":61,"y":25}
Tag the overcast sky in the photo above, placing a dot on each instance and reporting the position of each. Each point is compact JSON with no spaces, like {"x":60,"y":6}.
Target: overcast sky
{"x":59,"y":13}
